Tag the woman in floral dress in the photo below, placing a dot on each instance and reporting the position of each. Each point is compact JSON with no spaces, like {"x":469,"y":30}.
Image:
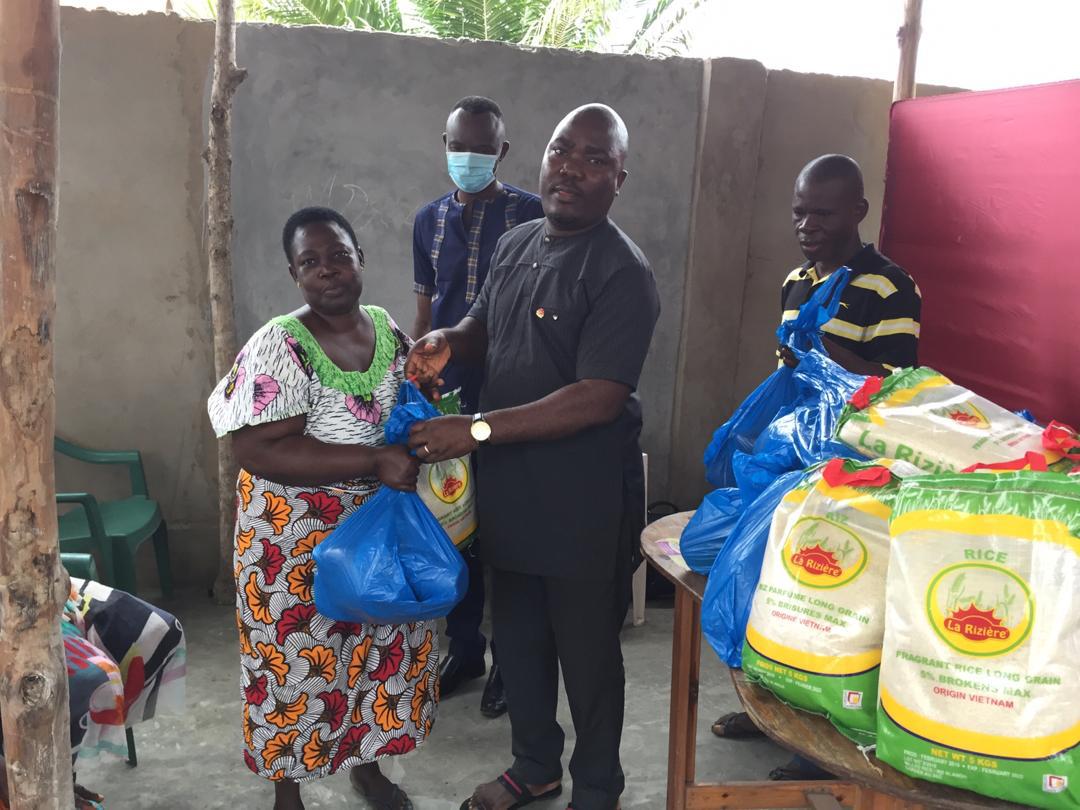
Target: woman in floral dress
{"x":305,"y":404}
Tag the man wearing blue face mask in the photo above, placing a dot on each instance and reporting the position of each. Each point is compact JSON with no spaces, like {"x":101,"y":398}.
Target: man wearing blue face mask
{"x":453,"y":239}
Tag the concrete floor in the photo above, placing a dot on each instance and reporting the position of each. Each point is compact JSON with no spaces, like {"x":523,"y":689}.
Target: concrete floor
{"x":193,"y":762}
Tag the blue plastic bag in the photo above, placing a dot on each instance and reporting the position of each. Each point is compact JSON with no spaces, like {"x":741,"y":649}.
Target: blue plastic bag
{"x":755,"y":471}
{"x":447,"y":488}
{"x":739,"y":433}
{"x":824,"y":388}
{"x":709,"y":528}
{"x":389,"y":562}
{"x":412,"y":406}
{"x":729,"y":592}
{"x":803,"y":434}
{"x":803,"y":332}
{"x":780,"y":389}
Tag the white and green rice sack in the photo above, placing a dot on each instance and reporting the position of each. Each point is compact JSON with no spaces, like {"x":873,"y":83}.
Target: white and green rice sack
{"x":448,"y":489}
{"x":815,"y":629}
{"x":981,"y":660}
{"x":922,"y":417}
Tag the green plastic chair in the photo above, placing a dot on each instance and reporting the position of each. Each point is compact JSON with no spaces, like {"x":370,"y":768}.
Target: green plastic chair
{"x":80,"y":565}
{"x":114,"y":530}
{"x":83,"y":567}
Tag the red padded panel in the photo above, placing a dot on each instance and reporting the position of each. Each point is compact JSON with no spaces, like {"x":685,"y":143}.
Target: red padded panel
{"x":982,"y":207}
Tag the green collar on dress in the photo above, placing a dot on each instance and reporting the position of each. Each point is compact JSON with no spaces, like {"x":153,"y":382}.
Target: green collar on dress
{"x":361,"y":383}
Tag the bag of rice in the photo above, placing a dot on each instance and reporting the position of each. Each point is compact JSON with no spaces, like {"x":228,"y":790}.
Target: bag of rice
{"x":814,"y":636}
{"x":920,"y":416}
{"x":978,"y":681}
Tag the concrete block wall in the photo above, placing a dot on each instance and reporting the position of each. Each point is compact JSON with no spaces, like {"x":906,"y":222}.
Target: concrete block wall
{"x":327,"y":117}
{"x":354,"y":120}
{"x":733,"y":105}
{"x":132,"y":340}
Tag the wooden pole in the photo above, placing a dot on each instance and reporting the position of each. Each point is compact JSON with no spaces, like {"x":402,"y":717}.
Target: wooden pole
{"x":218,"y":156}
{"x":908,"y":38}
{"x":33,"y":587}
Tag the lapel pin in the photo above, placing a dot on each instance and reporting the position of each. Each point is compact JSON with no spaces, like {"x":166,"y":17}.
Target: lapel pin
{"x":540,"y":312}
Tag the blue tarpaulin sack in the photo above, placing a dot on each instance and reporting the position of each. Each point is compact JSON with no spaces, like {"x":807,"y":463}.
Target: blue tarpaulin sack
{"x":729,"y":592}
{"x":709,"y":528}
{"x":780,"y":389}
{"x":390,"y":561}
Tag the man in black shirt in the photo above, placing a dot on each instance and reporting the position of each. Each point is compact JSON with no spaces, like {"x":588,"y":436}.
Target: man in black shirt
{"x":562,"y":327}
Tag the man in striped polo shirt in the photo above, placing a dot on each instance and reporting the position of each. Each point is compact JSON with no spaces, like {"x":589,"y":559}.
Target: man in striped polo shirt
{"x":877,"y":328}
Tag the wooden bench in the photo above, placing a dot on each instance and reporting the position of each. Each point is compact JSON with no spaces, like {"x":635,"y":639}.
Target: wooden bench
{"x":863,"y":783}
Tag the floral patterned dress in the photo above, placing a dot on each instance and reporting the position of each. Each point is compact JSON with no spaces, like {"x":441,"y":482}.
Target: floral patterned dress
{"x":319,"y":695}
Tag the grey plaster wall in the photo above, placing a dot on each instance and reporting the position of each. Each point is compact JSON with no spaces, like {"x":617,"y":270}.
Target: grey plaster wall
{"x":132,"y":340}
{"x":355,"y":121}
{"x":734,"y":106}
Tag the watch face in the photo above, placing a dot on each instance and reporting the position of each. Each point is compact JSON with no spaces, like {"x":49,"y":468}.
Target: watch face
{"x":481,"y":430}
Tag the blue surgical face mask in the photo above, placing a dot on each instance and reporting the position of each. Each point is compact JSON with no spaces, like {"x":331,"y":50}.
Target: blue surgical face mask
{"x":471,"y":171}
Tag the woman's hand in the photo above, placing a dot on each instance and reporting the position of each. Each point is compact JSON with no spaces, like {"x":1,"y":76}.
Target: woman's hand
{"x":396,"y":468}
{"x":426,"y":361}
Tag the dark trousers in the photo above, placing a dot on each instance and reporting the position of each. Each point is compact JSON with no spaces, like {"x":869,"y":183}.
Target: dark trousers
{"x":545,"y":622}
{"x":463,"y":622}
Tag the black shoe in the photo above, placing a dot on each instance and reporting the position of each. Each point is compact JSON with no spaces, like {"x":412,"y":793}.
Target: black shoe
{"x":493,"y":703}
{"x":454,"y":671}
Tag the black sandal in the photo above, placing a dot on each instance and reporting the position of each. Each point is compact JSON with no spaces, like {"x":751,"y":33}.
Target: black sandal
{"x":398,"y":800}
{"x":799,"y":770}
{"x":513,"y":784}
{"x":736,"y":726}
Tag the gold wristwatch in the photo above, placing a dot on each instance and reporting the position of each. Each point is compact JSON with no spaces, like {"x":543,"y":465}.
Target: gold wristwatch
{"x":480,"y":429}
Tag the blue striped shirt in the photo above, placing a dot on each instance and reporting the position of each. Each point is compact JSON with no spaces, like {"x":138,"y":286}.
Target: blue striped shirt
{"x":450,"y":263}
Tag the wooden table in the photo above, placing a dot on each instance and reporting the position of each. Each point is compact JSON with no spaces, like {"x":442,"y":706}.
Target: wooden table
{"x":863,"y":783}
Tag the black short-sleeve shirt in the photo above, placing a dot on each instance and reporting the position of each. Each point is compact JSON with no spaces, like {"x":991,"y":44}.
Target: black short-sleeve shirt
{"x":559,"y":310}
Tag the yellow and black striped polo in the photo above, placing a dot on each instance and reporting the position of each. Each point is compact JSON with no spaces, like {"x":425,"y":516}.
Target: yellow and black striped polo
{"x":879,"y":309}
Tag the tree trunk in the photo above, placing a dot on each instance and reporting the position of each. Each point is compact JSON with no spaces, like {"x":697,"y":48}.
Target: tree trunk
{"x":218,"y":155}
{"x":908,"y":38}
{"x":33,"y":587}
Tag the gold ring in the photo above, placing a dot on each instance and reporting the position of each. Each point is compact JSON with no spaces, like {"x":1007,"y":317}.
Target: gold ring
{"x":426,"y":451}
